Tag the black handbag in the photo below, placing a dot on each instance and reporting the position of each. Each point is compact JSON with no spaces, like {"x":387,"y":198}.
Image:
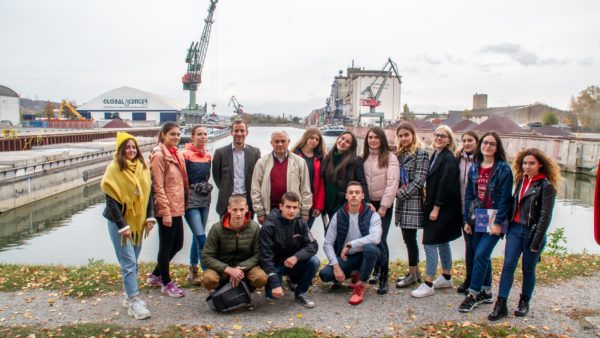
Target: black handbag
{"x":202,"y":188}
{"x":227,"y":298}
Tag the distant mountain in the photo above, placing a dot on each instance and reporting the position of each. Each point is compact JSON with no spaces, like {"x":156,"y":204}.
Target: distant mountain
{"x":29,"y":106}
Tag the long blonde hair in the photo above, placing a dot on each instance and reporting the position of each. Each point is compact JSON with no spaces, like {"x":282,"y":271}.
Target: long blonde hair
{"x":445,"y":128}
{"x":549,"y":166}
{"x":310,"y":132}
{"x":416,"y":143}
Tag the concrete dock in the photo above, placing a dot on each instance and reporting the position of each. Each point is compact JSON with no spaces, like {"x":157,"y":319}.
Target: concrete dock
{"x":31,"y":175}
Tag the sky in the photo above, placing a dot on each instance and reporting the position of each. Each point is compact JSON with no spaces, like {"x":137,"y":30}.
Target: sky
{"x":280,"y":56}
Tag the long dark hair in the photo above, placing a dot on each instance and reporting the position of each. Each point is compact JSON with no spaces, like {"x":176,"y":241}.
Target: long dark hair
{"x":469,"y":133}
{"x":500,"y":155}
{"x":384,"y":149}
{"x":333,"y":172}
{"x":165,"y":129}
{"x":121,"y":158}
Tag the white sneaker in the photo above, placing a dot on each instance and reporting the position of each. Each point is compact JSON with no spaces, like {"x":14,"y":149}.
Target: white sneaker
{"x":126,"y":302}
{"x":137,"y":309}
{"x":422,"y":291}
{"x":442,"y":283}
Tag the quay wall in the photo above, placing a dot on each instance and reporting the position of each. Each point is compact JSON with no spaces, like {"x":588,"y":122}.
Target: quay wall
{"x":573,"y":154}
{"x":29,"y":183}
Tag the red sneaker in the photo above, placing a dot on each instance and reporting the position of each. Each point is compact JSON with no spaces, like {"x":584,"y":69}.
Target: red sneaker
{"x":355,"y":279}
{"x":358,"y":295}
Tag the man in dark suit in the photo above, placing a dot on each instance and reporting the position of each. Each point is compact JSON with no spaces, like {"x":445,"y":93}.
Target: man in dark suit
{"x":233,"y":166}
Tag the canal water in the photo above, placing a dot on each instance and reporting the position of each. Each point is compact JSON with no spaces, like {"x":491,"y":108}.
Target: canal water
{"x":69,"y":228}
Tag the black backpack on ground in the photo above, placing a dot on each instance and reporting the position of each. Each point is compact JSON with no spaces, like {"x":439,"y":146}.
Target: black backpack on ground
{"x":227,"y":298}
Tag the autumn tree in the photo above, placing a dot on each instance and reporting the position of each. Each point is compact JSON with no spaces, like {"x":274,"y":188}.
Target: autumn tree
{"x":586,"y":106}
{"x":49,"y":110}
{"x":549,"y":118}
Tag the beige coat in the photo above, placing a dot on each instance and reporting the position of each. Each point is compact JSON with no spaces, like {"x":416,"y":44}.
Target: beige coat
{"x":168,"y":184}
{"x":298,"y":181}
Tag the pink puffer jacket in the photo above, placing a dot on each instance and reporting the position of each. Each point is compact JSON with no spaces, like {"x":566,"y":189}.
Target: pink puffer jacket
{"x":382,"y":182}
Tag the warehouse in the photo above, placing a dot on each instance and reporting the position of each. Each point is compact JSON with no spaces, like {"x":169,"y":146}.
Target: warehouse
{"x":9,"y":106}
{"x":131,"y":104}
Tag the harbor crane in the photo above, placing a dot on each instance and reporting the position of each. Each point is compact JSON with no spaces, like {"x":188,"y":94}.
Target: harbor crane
{"x":236,"y":105}
{"x":195,"y":60}
{"x":371,"y":99}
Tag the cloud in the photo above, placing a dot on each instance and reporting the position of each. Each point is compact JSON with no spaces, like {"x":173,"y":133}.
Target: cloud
{"x":521,"y":55}
{"x":428,"y":60}
{"x":587,"y":61}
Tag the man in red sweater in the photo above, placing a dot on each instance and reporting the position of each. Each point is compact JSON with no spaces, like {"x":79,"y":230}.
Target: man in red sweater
{"x":277,"y":173}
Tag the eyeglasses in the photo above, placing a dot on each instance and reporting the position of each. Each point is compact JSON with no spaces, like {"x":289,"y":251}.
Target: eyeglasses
{"x":489,"y":144}
{"x":442,"y":136}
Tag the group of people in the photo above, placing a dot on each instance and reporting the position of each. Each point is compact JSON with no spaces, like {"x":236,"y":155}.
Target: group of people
{"x":445,"y":194}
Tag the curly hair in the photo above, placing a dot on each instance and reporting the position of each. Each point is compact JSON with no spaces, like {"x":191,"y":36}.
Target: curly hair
{"x":549,"y":166}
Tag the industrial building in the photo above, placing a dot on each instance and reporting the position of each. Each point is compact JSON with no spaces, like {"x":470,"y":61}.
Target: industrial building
{"x":131,"y":104}
{"x":350,"y":94}
{"x":9,"y":106}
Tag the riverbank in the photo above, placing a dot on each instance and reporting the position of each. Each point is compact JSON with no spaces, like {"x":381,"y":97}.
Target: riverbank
{"x":51,"y":297}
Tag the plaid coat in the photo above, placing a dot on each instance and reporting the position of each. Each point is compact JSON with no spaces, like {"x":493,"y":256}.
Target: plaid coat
{"x":409,"y":199}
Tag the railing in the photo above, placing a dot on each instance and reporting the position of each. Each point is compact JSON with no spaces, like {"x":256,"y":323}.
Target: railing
{"x":38,"y":168}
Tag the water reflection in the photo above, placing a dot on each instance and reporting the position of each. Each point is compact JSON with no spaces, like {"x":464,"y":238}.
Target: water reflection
{"x":69,"y":228}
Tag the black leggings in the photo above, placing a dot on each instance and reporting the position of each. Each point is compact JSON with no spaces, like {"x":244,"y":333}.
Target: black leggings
{"x":170,"y":242}
{"x":385,"y":226}
{"x":410,"y":239}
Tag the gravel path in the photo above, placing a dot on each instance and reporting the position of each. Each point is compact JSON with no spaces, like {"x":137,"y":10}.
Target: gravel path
{"x":556,"y":308}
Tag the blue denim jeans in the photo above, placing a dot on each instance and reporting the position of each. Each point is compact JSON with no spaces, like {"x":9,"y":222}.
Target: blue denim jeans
{"x":362,"y":261}
{"x":302,"y":274}
{"x":481,"y":276}
{"x":127,"y":255}
{"x":196,"y":218}
{"x":517,"y":243}
{"x":431,"y":257}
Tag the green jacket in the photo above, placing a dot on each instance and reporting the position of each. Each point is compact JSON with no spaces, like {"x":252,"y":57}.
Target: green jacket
{"x":225,"y":247}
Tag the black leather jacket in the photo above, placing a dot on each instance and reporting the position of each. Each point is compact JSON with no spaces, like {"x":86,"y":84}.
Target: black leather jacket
{"x":535,"y":209}
{"x":113,"y":213}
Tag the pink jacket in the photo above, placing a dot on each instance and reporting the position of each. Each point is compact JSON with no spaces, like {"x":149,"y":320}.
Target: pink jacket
{"x":382,"y":182}
{"x":168,"y":183}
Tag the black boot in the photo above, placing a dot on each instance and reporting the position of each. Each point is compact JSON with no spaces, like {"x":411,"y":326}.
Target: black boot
{"x":523,"y":307}
{"x":500,"y":310}
{"x":383,"y":284}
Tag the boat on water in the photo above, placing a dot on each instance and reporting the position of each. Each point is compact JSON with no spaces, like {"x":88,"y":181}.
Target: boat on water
{"x":333,"y":130}
{"x":214,"y":133}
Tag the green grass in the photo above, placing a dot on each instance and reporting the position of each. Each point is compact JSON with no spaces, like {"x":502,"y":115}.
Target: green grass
{"x":97,"y":278}
{"x":110,"y":330}
{"x":474,"y":330}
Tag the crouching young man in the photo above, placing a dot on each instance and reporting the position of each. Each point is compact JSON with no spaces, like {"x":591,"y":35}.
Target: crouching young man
{"x":352,"y":243}
{"x":232,"y":249}
{"x":288,"y":248}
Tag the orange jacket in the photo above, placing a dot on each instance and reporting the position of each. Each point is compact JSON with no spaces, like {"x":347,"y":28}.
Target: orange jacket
{"x":170,"y":188}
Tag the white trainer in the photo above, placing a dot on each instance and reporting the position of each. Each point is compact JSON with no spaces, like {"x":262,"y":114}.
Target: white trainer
{"x":422,"y":291}
{"x":442,"y":283}
{"x":126,"y":302}
{"x":137,"y":309}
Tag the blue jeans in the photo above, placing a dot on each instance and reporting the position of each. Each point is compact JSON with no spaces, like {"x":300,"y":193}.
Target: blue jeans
{"x":302,"y":274}
{"x":481,"y":276}
{"x":196,"y":218}
{"x":517,"y":242}
{"x":431,"y":257}
{"x":127,"y":255}
{"x":362,"y":261}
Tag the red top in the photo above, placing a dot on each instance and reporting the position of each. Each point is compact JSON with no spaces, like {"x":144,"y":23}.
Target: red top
{"x":278,"y":182}
{"x":524,"y":187}
{"x":482,"y":181}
